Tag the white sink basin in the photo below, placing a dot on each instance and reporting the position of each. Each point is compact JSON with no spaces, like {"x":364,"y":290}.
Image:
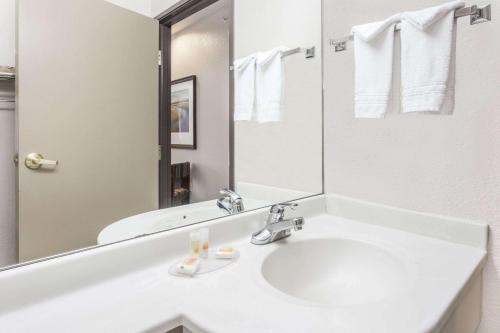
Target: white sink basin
{"x":166,"y":219}
{"x":336,"y":272}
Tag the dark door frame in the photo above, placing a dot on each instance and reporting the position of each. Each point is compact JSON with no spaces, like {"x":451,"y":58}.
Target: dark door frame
{"x":164,"y":76}
{"x":175,"y":14}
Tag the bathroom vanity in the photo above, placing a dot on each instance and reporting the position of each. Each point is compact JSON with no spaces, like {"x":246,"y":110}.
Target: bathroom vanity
{"x":354,"y":267}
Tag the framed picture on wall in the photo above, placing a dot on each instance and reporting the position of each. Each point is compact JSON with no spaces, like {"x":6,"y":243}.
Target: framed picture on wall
{"x":183,"y":113}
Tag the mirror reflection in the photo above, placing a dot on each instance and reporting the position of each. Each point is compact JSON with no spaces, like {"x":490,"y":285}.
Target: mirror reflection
{"x":115,"y":135}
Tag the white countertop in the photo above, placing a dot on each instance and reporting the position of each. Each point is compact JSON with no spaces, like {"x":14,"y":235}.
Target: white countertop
{"x":237,"y":299}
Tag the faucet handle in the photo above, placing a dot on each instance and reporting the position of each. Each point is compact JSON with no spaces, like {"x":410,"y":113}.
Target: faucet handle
{"x":231,"y":194}
{"x":281,"y":207}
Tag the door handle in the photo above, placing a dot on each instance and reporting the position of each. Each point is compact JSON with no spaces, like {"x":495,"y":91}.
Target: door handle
{"x":35,"y":161}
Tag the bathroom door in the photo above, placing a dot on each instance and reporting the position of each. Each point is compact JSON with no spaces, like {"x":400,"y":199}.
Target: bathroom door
{"x":87,"y":96}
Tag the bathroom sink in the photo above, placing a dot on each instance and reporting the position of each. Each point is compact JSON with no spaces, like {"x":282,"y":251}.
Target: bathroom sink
{"x":335,"y":272}
{"x":166,"y":219}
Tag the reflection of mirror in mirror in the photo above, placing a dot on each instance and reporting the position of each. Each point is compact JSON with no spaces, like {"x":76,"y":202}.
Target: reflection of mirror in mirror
{"x":116,"y":140}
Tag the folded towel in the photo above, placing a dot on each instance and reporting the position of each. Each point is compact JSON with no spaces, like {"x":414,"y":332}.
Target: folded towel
{"x":428,"y":58}
{"x":422,"y":19}
{"x":374,"y":48}
{"x":244,"y":88}
{"x":269,"y":85}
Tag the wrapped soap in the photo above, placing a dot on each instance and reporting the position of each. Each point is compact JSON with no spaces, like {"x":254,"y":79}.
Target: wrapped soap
{"x":225,"y":252}
{"x":188,"y":266}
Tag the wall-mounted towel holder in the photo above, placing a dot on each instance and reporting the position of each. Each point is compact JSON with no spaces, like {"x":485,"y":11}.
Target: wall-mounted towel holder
{"x":477,"y":15}
{"x":309,"y":52}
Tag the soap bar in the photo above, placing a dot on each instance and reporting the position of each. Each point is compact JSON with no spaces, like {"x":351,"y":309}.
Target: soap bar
{"x":188,"y":266}
{"x":225,"y":252}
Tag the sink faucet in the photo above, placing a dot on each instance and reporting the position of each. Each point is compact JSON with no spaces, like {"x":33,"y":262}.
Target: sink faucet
{"x":276,"y":226}
{"x":231,"y":202}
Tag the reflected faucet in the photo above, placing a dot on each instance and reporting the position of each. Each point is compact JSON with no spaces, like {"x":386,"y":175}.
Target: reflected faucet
{"x":231,"y":202}
{"x":276,"y":226}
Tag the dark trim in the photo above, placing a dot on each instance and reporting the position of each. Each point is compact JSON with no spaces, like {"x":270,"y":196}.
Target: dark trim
{"x":185,"y":79}
{"x":232,"y":184}
{"x":183,"y":10}
{"x":165,"y":179}
{"x":195,"y":83}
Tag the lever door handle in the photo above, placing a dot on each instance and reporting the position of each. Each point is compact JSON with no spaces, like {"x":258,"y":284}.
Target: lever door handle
{"x":35,"y":161}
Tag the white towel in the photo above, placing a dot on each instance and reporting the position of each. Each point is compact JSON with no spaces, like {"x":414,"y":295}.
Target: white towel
{"x":269,"y":85}
{"x":428,"y":59}
{"x":374,"y":48}
{"x":244,"y":88}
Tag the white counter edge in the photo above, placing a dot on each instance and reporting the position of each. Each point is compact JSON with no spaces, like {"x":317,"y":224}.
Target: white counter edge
{"x":451,"y":229}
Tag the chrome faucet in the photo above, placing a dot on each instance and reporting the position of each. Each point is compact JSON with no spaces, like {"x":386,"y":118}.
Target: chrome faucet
{"x":276,"y":226}
{"x":231,"y":202}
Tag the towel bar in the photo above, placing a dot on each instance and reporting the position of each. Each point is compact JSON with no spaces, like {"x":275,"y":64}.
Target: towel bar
{"x":310,"y":52}
{"x":477,"y":15}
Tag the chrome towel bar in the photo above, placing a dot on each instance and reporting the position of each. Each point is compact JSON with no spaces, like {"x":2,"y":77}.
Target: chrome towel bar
{"x":310,"y":52}
{"x":477,"y":15}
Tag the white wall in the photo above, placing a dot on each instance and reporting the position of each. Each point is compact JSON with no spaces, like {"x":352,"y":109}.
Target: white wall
{"x":440,"y":164}
{"x":202,"y":49}
{"x":285,"y":154}
{"x":159,"y":6}
{"x":140,"y":6}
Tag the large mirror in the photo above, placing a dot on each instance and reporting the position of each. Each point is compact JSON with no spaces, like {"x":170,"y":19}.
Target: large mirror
{"x":103,"y":138}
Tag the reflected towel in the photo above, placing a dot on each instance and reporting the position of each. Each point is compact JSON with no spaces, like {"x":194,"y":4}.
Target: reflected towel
{"x":244,"y":88}
{"x":428,"y":59}
{"x":374,"y":48}
{"x":269,"y":85}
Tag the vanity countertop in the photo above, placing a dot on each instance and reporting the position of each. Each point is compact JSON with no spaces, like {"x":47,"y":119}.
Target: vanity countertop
{"x":238,"y":299}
